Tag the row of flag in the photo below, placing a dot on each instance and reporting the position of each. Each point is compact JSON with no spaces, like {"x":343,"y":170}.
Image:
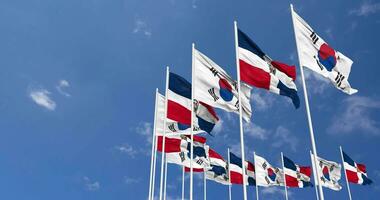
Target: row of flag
{"x":188,"y":109}
{"x":260,"y":172}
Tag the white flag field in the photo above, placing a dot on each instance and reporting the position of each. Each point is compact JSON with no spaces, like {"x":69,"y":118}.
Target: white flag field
{"x":329,"y":173}
{"x":216,"y":88}
{"x":266,"y":174}
{"x":315,"y":54}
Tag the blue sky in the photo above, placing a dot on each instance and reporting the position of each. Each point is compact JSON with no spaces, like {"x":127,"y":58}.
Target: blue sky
{"x":78,"y":78}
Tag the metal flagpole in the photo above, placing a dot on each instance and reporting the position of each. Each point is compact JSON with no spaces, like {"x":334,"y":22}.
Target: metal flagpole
{"x":257,"y":187}
{"x":192,"y":121}
{"x":229,"y":175}
{"x":163,"y":137}
{"x":283,"y":169}
{"x":315,"y":176}
{"x":240,"y":112}
{"x":204,"y":185}
{"x":166,"y":177}
{"x":183,"y":182}
{"x":154,"y":167}
{"x":345,"y":174}
{"x":151,"y":184}
{"x":314,"y":148}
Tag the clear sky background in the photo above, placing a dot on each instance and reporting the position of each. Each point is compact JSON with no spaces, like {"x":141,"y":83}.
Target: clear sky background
{"x":77,"y":86}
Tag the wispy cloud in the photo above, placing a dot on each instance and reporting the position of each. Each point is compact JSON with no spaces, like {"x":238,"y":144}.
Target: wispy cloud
{"x":194,"y":4}
{"x":142,"y":27}
{"x":42,"y":98}
{"x":62,"y":85}
{"x":262,"y":100}
{"x":130,"y":180}
{"x":145,"y":129}
{"x":355,"y":114}
{"x":316,"y":84}
{"x":127,"y":149}
{"x":256,"y":131}
{"x":366,"y":8}
{"x":91,"y":185}
{"x":283,"y":137}
{"x":274,"y":191}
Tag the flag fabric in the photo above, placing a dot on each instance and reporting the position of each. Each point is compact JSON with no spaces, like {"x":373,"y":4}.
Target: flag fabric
{"x":329,"y":173}
{"x":259,"y":70}
{"x":183,"y":157}
{"x":179,"y":108}
{"x":295,"y":175}
{"x":355,"y":172}
{"x":315,"y":54}
{"x":266,"y":174}
{"x":235,"y":167}
{"x":217,"y":171}
{"x":216,"y":88}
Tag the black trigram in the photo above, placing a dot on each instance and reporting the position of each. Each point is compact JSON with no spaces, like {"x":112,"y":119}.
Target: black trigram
{"x":199,"y":162}
{"x":172,"y":128}
{"x":182,"y":156}
{"x":214,"y":71}
{"x":237,"y":104}
{"x":339,"y":79}
{"x":264,"y":165}
{"x":211,"y":91}
{"x":267,"y":180}
{"x":314,"y":37}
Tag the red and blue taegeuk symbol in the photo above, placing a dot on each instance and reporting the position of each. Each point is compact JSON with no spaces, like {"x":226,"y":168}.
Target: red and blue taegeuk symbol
{"x":271,"y":174}
{"x":326,"y":56}
{"x":225,"y":90}
{"x":326,"y":173}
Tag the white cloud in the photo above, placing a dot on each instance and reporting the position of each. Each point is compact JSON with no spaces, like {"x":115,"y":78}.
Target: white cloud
{"x":194,"y":4}
{"x":262,"y":100}
{"x":127,"y":149}
{"x":256,"y":131}
{"x":145,"y":129}
{"x":91,"y":185}
{"x":62,"y":84}
{"x":142,"y":27}
{"x":218,"y":127}
{"x":355,"y":115}
{"x":329,"y":33}
{"x":316,"y":84}
{"x":274,"y":191}
{"x":130,"y":180}
{"x":283,"y":137}
{"x":366,"y":8}
{"x":41,"y":97}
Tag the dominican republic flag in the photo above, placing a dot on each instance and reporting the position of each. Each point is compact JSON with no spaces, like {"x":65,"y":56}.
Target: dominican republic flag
{"x":217,"y":171}
{"x":266,"y":174}
{"x":177,"y":149}
{"x":355,"y":172}
{"x":216,"y":88}
{"x":236,"y":170}
{"x":179,"y":108}
{"x":257,"y":69}
{"x":315,"y":54}
{"x":329,"y":173}
{"x":295,"y":175}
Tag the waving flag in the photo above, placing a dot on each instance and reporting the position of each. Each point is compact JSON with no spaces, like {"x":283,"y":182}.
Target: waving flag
{"x":266,"y":174}
{"x":177,"y":149}
{"x":355,"y":172}
{"x":257,"y":69}
{"x":317,"y":55}
{"x":295,"y":175}
{"x":216,"y":88}
{"x":329,"y":173}
{"x":217,"y":171}
{"x":179,"y":108}
{"x":236,"y":171}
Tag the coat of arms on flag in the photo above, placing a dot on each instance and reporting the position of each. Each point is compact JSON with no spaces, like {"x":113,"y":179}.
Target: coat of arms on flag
{"x":295,"y":175}
{"x":355,"y":172}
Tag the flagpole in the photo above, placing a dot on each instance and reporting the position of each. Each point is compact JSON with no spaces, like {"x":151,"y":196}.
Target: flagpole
{"x":229,"y":175}
{"x":283,"y":169}
{"x":163,"y":137}
{"x":240,"y":113}
{"x":345,"y":175}
{"x":314,"y":176}
{"x":183,"y":182}
{"x":314,"y":148}
{"x":154,"y":166}
{"x":151,"y":184}
{"x":166,"y":176}
{"x":192,"y":120}
{"x":257,"y":187}
{"x":204,"y":185}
